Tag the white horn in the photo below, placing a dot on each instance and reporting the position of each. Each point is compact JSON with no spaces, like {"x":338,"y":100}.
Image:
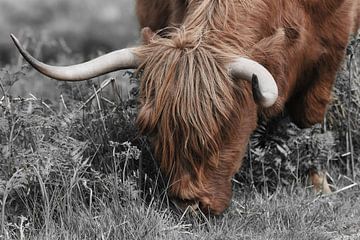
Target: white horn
{"x":117,"y":60}
{"x":265,"y":87}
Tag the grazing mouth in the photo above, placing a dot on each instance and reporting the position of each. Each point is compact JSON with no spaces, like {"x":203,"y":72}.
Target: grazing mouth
{"x":186,"y":205}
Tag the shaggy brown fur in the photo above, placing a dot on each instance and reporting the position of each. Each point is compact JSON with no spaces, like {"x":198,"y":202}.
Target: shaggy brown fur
{"x":198,"y":117}
{"x":356,"y":16}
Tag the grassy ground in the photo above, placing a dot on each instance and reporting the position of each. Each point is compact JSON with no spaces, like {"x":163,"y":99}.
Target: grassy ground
{"x":70,"y":170}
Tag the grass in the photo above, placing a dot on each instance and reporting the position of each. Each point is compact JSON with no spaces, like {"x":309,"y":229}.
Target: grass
{"x":70,"y":171}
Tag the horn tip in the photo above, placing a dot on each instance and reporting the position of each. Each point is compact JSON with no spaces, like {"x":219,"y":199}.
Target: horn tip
{"x":13,"y":37}
{"x":15,"y":40}
{"x":269,"y":99}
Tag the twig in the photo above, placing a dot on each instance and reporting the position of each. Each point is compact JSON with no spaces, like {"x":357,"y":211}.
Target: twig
{"x":333,"y":193}
{"x":108,"y":101}
{"x":266,"y":189}
{"x":91,"y":194}
{"x":102,"y":86}
{"x":347,"y":178}
{"x":297,"y":164}
{"x":42,"y":102}
{"x":349,"y":144}
{"x":251,"y":166}
{"x":340,"y":190}
{"x":178,"y":227}
{"x":2,"y":89}
{"x":63,"y":101}
{"x":100,"y":110}
{"x":142,"y":179}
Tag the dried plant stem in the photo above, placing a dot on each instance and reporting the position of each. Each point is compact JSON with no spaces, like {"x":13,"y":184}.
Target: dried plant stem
{"x":297,"y":164}
{"x":43,"y":103}
{"x":126,"y":161}
{"x":349,"y":144}
{"x":100,"y":110}
{"x":63,"y":102}
{"x":46,"y":202}
{"x":102,"y":86}
{"x":340,"y":190}
{"x":251,"y":166}
{"x":11,"y":138}
{"x":2,"y":89}
{"x":108,"y":101}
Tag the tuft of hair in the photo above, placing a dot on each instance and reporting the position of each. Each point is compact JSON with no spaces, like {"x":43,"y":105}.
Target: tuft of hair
{"x":186,"y":94}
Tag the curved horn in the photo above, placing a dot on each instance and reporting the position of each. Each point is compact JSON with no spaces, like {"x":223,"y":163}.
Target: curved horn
{"x":263,"y":82}
{"x":117,"y":60}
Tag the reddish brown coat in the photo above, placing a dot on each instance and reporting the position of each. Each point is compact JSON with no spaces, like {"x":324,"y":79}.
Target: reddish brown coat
{"x":199,"y":118}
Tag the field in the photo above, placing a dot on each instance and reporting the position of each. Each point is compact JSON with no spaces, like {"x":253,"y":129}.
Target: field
{"x":72,"y":165}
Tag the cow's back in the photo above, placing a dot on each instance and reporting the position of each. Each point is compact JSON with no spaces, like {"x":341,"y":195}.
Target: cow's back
{"x":159,"y":14}
{"x":356,"y":16}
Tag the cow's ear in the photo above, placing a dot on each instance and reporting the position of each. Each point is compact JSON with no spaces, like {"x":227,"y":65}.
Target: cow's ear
{"x":147,"y":34}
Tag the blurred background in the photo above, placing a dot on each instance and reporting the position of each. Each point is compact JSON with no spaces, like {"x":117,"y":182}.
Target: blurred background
{"x":85,"y":26}
{"x":62,"y":32}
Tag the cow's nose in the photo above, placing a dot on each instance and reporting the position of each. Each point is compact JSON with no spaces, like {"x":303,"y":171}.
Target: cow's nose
{"x":214,"y":206}
{"x":186,"y":205}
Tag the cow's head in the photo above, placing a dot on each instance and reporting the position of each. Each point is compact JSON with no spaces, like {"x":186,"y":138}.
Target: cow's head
{"x":197,"y":104}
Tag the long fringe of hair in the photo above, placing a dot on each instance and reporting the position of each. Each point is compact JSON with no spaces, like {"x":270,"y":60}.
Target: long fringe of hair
{"x":186,"y":93}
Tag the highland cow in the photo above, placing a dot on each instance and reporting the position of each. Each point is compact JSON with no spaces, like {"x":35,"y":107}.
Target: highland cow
{"x":211,"y":68}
